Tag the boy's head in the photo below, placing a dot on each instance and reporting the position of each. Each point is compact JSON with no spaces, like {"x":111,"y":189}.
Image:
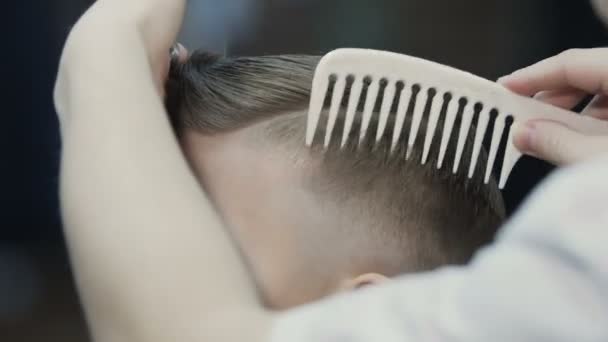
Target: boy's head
{"x":311,"y":222}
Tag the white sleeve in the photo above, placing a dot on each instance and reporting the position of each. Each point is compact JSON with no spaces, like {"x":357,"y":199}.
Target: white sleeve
{"x":546,"y":279}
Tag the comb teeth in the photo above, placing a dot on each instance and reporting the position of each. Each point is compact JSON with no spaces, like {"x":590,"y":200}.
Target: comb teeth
{"x":435,"y":111}
{"x":482,"y":125}
{"x":353,"y":102}
{"x":336,"y":100}
{"x":425,"y":103}
{"x":448,"y":125}
{"x":418,"y":89}
{"x":465,"y":126}
{"x":370,"y":102}
{"x":317,"y":97}
{"x":497,"y":131}
{"x":512,"y":155}
{"x":419,"y":105}
{"x":406,"y":94}
{"x":387,"y":102}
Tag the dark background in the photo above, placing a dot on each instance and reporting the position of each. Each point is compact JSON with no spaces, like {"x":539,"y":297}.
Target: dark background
{"x":488,"y":38}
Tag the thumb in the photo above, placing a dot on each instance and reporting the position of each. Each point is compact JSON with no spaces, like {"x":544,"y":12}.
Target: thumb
{"x":550,"y":141}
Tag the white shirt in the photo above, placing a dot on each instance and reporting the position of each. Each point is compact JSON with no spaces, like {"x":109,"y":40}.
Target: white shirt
{"x":545,"y":279}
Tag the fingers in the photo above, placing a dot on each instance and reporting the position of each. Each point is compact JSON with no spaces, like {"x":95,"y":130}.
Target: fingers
{"x":566,"y":98}
{"x":585,"y":70}
{"x":550,"y":141}
{"x":563,"y":81}
{"x":177,"y":54}
{"x":597,"y":108}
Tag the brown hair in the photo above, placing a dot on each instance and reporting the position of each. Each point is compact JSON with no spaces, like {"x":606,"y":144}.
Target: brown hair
{"x":432,"y":216}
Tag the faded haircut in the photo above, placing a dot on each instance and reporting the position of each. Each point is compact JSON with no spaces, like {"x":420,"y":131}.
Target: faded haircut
{"x":430,"y":217}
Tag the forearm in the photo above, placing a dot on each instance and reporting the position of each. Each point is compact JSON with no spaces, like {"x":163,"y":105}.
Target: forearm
{"x":150,"y":255}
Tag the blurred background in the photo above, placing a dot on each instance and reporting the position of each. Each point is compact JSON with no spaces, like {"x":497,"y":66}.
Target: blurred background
{"x":488,"y":38}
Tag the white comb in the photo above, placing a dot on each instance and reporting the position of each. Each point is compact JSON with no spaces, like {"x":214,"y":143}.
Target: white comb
{"x":392,"y":68}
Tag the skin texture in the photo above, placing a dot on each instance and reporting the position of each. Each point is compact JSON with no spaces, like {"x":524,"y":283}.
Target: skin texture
{"x":259,"y":193}
{"x":563,"y":81}
{"x":235,"y":177}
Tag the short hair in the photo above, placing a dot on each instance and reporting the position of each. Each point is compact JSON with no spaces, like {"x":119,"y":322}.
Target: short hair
{"x":430,"y":217}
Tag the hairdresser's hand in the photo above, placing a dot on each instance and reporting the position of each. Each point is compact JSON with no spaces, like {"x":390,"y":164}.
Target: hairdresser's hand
{"x":563,"y":81}
{"x":159,"y":22}
{"x":151,"y":23}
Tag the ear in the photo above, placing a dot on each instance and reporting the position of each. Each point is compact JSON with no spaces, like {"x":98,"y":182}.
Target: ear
{"x":363,"y":280}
